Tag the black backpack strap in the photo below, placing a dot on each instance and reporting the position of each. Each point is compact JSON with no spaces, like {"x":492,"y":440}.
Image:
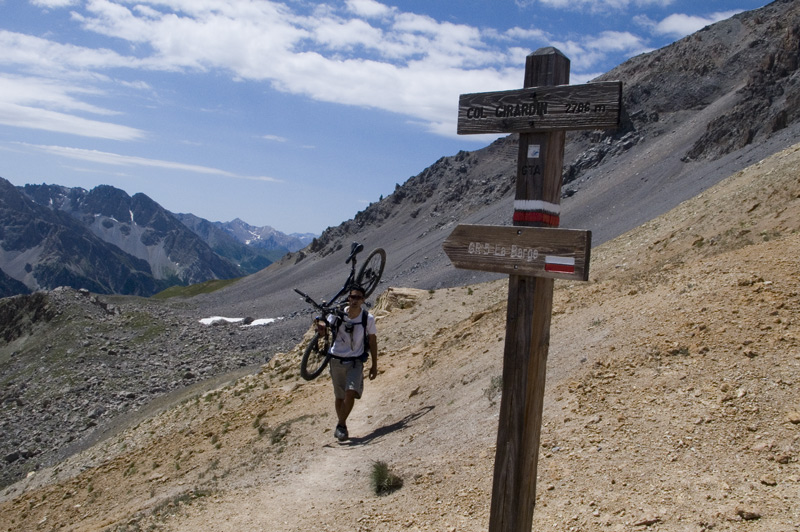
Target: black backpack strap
{"x":364,"y":318}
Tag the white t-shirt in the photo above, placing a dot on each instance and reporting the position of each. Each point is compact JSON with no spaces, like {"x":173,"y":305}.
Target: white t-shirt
{"x":351,"y":344}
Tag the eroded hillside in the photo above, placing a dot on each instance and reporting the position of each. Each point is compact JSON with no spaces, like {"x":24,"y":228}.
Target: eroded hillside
{"x":672,"y":403}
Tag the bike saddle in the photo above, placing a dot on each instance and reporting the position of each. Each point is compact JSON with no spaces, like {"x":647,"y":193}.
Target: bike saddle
{"x":355,"y":249}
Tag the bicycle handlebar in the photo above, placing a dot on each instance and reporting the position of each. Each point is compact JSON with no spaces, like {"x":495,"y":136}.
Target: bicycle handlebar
{"x":308,"y":299}
{"x":328,"y":309}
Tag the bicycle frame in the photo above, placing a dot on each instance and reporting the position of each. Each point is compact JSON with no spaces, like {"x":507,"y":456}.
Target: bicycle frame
{"x":330,"y":307}
{"x":332,"y":313}
{"x":355,"y":249}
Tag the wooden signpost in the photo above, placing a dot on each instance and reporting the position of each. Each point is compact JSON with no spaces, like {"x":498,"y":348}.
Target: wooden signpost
{"x":591,"y":106}
{"x":532,"y":251}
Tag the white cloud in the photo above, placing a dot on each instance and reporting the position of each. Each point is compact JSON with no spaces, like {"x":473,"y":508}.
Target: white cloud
{"x":344,"y":35}
{"x":274,"y":138}
{"x":616,"y":41}
{"x":361,"y":53}
{"x":533,"y":34}
{"x":679,"y":25}
{"x":409,"y":59}
{"x":115,"y":159}
{"x":369,"y":8}
{"x":594,"y":49}
{"x":51,"y":58}
{"x":47,"y":93}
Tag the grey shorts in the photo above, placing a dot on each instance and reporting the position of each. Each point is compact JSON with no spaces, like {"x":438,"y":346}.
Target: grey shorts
{"x":347,"y":375}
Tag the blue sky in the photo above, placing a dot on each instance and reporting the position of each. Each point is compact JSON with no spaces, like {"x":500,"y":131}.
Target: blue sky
{"x":293,"y":114}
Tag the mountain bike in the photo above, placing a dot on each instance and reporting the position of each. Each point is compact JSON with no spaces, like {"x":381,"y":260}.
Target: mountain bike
{"x":318,"y":352}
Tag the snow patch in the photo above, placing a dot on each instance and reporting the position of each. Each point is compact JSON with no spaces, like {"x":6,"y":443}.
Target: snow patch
{"x":262,"y":321}
{"x":215,"y":320}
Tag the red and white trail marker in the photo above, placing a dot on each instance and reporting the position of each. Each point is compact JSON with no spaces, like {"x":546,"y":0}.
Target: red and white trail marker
{"x":516,"y":250}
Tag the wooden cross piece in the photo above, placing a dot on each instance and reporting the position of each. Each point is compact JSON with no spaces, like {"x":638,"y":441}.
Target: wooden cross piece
{"x":532,"y":251}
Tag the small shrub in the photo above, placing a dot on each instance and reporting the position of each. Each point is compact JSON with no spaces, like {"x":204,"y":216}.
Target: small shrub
{"x":279,"y":433}
{"x":383,"y":480}
{"x":495,"y":388}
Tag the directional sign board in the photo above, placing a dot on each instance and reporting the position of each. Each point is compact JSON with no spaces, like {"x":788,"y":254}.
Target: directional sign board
{"x":528,"y":251}
{"x":535,"y":109}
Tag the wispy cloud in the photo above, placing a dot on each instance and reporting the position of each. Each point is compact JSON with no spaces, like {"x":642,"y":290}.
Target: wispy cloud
{"x":49,"y":105}
{"x":53,"y":3}
{"x":43,"y":119}
{"x":53,"y":94}
{"x":594,"y":5}
{"x":116,"y":159}
{"x":369,"y":8}
{"x":274,"y":138}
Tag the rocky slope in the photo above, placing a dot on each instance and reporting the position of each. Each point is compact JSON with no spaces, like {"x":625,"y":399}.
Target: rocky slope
{"x":671,"y":403}
{"x":75,"y":362}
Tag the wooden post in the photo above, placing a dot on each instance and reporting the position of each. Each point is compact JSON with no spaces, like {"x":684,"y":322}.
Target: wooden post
{"x":541,"y":112}
{"x":530,"y":302}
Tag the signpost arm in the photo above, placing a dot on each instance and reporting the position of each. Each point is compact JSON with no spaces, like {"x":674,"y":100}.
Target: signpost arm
{"x":530,"y":301}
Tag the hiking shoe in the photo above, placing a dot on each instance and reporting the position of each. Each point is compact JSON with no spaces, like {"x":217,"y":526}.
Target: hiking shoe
{"x":340,"y":433}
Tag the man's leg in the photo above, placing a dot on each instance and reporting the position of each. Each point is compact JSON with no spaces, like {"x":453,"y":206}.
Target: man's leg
{"x":346,"y":395}
{"x":345,"y":406}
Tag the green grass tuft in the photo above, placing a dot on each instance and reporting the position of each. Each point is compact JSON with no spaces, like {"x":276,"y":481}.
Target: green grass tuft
{"x":194,"y":289}
{"x":383,"y":480}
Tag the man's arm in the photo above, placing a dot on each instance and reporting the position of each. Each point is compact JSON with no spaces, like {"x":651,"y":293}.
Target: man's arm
{"x":373,"y":351}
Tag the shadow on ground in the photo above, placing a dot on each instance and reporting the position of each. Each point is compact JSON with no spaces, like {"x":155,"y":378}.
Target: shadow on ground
{"x":388,"y":429}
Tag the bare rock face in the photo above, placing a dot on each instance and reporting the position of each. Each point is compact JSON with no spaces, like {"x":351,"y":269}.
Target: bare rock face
{"x":768,"y":102}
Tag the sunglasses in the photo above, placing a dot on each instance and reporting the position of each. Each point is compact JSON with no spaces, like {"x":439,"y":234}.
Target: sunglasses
{"x":351,"y":296}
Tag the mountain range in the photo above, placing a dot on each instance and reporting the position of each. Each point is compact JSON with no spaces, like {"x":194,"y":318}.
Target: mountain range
{"x":108,"y":242}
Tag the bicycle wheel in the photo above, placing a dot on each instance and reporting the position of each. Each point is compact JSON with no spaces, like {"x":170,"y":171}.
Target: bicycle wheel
{"x":370,"y":273}
{"x":316,"y":356}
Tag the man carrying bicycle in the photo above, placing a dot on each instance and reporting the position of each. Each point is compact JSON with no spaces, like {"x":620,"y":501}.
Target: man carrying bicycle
{"x":355,"y":342}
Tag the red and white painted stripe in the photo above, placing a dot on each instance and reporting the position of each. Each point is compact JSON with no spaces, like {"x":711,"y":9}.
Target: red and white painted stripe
{"x":554,"y":263}
{"x":537,"y":211}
